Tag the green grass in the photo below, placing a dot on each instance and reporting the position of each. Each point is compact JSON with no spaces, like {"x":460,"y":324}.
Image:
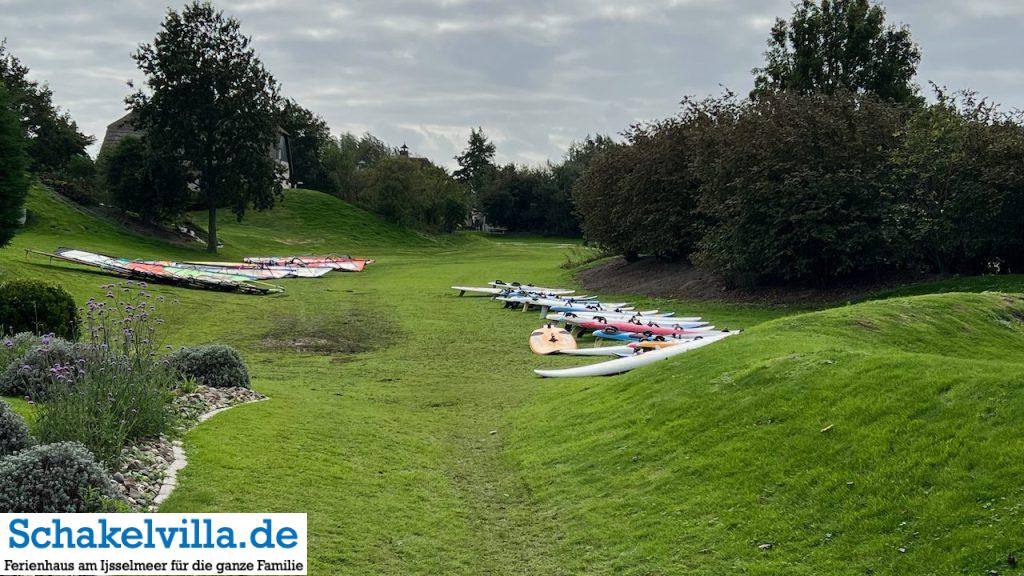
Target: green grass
{"x":436,"y":451}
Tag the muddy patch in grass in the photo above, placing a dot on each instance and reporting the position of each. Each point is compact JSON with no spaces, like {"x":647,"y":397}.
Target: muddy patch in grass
{"x":350,"y":332}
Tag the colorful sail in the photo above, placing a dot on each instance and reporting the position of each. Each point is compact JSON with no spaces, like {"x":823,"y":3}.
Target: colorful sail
{"x":343,"y":263}
{"x":164,"y":272}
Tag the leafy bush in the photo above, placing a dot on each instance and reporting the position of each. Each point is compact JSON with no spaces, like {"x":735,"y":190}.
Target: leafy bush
{"x":81,"y":191}
{"x":214,"y":365}
{"x":961,"y":187}
{"x":53,"y":361}
{"x":53,"y":478}
{"x":799,"y":189}
{"x":40,"y":307}
{"x":14,"y":435}
{"x":408,"y":192}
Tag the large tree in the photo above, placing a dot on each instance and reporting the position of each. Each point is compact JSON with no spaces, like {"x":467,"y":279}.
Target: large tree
{"x":13,"y":163}
{"x":476,"y":163}
{"x":212,"y":103}
{"x":53,"y":137}
{"x":840,"y":45}
{"x":310,"y":138}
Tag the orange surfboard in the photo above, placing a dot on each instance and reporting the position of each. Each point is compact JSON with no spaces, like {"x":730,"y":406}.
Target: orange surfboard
{"x":550,"y":339}
{"x":656,"y":344}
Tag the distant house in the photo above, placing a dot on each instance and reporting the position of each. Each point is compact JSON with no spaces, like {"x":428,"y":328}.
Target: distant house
{"x":404,"y":152}
{"x":125,"y":126}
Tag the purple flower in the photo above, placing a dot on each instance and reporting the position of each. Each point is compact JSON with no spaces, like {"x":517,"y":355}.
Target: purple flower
{"x":9,"y":343}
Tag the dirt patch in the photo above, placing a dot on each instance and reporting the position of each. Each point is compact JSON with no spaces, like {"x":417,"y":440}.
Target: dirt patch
{"x":352,"y":332}
{"x":654,"y":278}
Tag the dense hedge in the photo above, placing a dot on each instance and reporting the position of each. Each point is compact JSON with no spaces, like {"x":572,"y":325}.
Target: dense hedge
{"x":40,"y":307}
{"x":215,"y":365}
{"x":53,"y":478}
{"x":815,"y":189}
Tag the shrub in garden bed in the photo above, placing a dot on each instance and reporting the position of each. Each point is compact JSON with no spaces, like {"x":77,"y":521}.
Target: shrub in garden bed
{"x":44,"y":366}
{"x":14,"y":435}
{"x":109,"y":402}
{"x":215,"y":365}
{"x":49,"y":363}
{"x":115,"y":391}
{"x":51,"y":478}
{"x":14,"y":347}
{"x":40,"y":307}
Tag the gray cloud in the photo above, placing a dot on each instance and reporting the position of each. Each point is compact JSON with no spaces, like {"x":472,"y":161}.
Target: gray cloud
{"x":535,"y":74}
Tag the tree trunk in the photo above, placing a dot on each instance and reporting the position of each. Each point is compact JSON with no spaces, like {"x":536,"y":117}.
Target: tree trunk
{"x":211,"y":228}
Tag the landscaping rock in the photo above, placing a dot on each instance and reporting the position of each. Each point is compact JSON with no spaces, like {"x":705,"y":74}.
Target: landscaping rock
{"x":148,"y":469}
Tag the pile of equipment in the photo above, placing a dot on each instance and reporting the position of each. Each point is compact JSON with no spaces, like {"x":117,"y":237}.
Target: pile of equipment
{"x":246,"y":277}
{"x":641,"y":337}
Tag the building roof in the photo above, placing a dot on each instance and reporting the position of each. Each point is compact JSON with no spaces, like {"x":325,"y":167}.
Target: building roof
{"x":118,"y":130}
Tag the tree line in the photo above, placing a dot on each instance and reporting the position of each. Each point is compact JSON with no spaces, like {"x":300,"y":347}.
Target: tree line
{"x":205,"y":118}
{"x":834,"y":167}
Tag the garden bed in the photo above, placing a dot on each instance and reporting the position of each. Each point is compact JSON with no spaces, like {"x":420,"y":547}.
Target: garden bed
{"x":148,"y":470}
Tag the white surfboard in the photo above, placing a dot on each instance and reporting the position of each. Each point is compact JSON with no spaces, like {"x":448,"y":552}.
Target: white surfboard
{"x":620,"y":365}
{"x":601,"y":351}
{"x":528,"y":287}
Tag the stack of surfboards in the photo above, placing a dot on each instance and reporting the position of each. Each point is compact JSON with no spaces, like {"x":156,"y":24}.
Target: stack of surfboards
{"x":643,"y":336}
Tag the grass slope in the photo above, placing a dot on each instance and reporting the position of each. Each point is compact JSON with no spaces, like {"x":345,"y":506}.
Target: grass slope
{"x":692,"y":466}
{"x":440,"y":452}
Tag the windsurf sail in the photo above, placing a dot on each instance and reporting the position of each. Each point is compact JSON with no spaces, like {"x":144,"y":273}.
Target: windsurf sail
{"x":256,"y":271}
{"x":334,"y":262}
{"x":163,"y":272}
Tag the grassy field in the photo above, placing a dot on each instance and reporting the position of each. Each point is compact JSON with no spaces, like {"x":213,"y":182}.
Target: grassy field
{"x":407,"y":422}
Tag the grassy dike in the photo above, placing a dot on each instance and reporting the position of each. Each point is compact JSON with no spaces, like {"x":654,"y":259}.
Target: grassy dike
{"x":407,"y":422}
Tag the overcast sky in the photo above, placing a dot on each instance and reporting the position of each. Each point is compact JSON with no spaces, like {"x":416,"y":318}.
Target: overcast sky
{"x":534,"y":74}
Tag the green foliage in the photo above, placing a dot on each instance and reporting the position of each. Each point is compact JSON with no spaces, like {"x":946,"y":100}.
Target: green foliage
{"x":106,"y":402}
{"x":37,"y":306}
{"x":579,"y":256}
{"x":310,"y":138}
{"x":815,"y":188}
{"x":37,"y":373}
{"x":476,"y":163}
{"x":110,"y":390}
{"x":215,"y":365}
{"x":598,"y":200}
{"x":212,"y":104}
{"x":53,"y":478}
{"x":799,"y":189}
{"x":14,"y":347}
{"x":961,"y":187}
{"x":53,"y":137}
{"x":831,"y":46}
{"x":412,"y":193}
{"x":13,"y":164}
{"x":77,"y":182}
{"x":14,"y":435}
{"x":345,"y":157}
{"x":140,"y":180}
